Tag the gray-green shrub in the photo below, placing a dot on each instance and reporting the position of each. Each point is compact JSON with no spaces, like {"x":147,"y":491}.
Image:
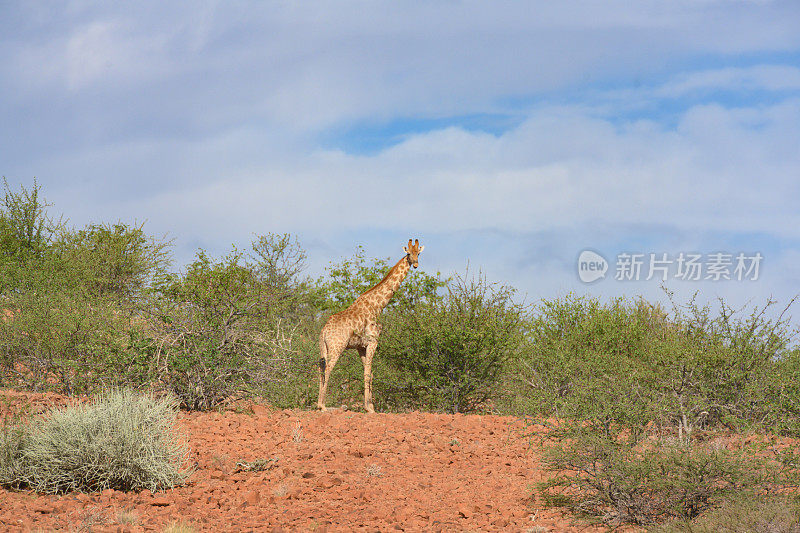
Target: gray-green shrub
{"x":121,"y":440}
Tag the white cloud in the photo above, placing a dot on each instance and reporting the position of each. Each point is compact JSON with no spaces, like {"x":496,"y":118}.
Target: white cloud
{"x":103,"y":54}
{"x":727,"y":170}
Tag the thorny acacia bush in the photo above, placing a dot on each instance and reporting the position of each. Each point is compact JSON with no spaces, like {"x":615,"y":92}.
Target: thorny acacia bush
{"x":632,"y":364}
{"x":225,"y":327}
{"x":624,"y":480}
{"x":71,"y":294}
{"x":449,"y":352}
{"x":635,"y":386}
{"x":121,"y":440}
{"x":97,"y":307}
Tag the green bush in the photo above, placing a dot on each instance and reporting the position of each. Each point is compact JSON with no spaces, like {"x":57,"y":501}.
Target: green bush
{"x":121,"y":440}
{"x":783,"y":394}
{"x":630,"y":363}
{"x":116,"y":262}
{"x":636,"y":389}
{"x":73,"y":295}
{"x":224,"y":327}
{"x":60,"y":340}
{"x":624,"y":480}
{"x":25,"y":228}
{"x":449,"y":352}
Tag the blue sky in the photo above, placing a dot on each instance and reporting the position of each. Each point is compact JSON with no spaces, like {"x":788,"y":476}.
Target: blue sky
{"x":509,"y":136}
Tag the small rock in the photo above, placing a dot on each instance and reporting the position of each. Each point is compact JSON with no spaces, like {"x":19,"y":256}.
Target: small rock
{"x":161,"y":501}
{"x":308,"y":475}
{"x":464,"y":511}
{"x":329,"y":482}
{"x":253,"y":497}
{"x":41,"y":507}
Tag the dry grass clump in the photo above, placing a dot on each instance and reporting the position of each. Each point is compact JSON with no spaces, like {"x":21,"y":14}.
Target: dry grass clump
{"x":746,"y":514}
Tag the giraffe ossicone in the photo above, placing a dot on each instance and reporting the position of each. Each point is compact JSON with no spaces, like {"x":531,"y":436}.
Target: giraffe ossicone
{"x":357,"y":326}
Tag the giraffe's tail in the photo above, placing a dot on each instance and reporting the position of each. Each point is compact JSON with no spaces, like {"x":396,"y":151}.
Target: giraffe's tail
{"x":323,"y":353}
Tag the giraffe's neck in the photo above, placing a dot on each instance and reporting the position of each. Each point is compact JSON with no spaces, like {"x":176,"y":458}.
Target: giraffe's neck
{"x":381,"y":293}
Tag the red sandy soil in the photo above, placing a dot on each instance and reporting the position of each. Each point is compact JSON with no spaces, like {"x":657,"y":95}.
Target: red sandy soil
{"x":333,"y":471}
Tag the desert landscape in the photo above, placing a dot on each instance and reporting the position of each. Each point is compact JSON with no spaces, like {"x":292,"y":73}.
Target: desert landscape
{"x":263,"y":469}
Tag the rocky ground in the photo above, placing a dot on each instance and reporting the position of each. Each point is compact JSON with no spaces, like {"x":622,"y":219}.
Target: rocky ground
{"x":333,"y":471}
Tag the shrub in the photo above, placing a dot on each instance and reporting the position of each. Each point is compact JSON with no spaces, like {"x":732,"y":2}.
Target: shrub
{"x":114,"y":261}
{"x":449,"y":352}
{"x":630,"y":363}
{"x":25,"y":228}
{"x":59,"y":339}
{"x":121,"y":440}
{"x":637,"y":386}
{"x":650,"y":481}
{"x":72,"y":293}
{"x":783,"y":394}
{"x":221,"y":327}
{"x":587,"y":361}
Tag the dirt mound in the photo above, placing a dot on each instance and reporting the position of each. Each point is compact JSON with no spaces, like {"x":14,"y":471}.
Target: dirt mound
{"x":270,"y":470}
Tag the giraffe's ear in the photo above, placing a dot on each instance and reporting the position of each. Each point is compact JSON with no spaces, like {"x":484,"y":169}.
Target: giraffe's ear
{"x":420,"y":249}
{"x":405,"y":249}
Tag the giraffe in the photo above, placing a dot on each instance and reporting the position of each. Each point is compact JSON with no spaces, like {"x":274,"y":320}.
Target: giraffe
{"x":357,"y":326}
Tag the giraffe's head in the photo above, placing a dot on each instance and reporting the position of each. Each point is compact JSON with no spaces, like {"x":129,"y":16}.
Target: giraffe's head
{"x":412,"y":252}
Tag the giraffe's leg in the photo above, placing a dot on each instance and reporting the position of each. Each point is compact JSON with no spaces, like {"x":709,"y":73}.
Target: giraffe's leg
{"x":328,"y":357}
{"x":323,"y":363}
{"x":373,"y":331}
{"x":367,"y":360}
